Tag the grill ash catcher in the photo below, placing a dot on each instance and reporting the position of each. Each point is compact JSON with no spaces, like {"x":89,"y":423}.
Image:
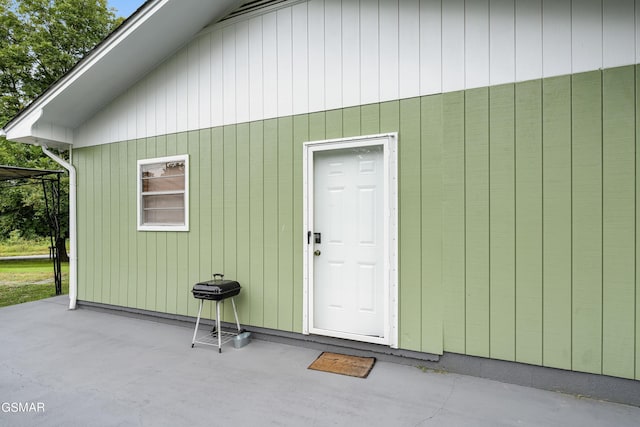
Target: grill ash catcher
{"x":217,"y":290}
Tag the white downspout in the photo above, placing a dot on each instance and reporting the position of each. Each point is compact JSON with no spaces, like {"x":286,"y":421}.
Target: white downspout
{"x":73,"y":256}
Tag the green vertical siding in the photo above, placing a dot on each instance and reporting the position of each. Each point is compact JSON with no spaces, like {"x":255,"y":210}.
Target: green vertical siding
{"x":271,"y":228}
{"x":206,"y":204}
{"x":193,"y":260}
{"x":453,"y":222}
{"x":183,"y":284}
{"x":229,"y":208}
{"x":112,"y":210}
{"x":104,"y":225}
{"x":151,"y":246}
{"x":141,"y":246}
{"x":150,"y":249}
{"x":351,"y":122}
{"x":333,"y":124}
{"x":517,"y":220}
{"x":476,"y":214}
{"x":502,"y":222}
{"x":300,"y":135}
{"x":586,"y":221}
{"x":285,"y":223}
{"x":255,"y":293}
{"x":243,"y":202}
{"x":556,"y":226}
{"x":390,"y":116}
{"x":637,"y":248}
{"x":172,"y":246}
{"x":370,"y":119}
{"x":161,"y":246}
{"x":528,"y":222}
{"x":410,"y":238}
{"x":82,"y":212}
{"x":132,"y":235}
{"x":618,"y":219}
{"x":317,"y":126}
{"x":90,"y":258}
{"x":431,"y":182}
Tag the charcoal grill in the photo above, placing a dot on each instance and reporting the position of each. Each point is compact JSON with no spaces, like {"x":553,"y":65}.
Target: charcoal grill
{"x":216,"y":290}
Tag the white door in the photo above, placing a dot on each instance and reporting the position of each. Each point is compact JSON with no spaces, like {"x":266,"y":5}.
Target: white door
{"x":347,"y":243}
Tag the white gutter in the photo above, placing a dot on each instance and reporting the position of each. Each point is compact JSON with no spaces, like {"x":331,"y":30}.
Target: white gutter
{"x":73,"y":256}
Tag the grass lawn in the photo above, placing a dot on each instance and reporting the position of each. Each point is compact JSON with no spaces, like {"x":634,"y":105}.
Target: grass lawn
{"x":29,"y":280}
{"x":12,"y":247}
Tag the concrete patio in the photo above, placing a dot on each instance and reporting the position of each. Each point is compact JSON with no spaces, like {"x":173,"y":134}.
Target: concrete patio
{"x":92,"y":368}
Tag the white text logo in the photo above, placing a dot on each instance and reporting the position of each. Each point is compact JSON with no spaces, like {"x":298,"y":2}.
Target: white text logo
{"x":22,"y":407}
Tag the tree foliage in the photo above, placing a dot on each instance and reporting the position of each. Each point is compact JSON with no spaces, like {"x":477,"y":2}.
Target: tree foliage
{"x":40,"y":40}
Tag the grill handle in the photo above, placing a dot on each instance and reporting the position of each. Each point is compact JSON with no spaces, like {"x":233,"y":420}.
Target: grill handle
{"x":218,"y":275}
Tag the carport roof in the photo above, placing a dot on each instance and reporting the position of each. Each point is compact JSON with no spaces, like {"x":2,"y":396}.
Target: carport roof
{"x":13,"y":172}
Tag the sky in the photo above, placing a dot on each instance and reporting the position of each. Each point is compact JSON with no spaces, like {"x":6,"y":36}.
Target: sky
{"x":125,"y":8}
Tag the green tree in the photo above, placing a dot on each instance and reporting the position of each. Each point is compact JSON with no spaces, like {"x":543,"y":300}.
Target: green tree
{"x":40,"y":40}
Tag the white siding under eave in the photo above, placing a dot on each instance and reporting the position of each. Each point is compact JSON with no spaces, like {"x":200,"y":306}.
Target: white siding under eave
{"x":326,"y":54}
{"x":45,"y":132}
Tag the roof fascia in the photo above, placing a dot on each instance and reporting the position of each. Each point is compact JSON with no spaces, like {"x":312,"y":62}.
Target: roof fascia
{"x":22,"y":128}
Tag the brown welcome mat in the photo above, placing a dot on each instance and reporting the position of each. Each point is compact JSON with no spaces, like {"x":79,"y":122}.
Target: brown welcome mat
{"x":343,"y":364}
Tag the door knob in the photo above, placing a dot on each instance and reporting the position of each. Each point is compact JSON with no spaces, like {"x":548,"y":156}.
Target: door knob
{"x":317,"y":252}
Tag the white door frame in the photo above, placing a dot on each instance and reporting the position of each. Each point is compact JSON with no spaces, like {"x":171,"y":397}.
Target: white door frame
{"x":389,"y":143}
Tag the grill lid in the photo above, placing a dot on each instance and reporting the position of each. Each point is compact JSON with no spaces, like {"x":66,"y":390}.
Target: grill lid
{"x":216,"y":289}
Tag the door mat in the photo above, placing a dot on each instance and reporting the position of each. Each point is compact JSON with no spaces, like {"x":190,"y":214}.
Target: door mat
{"x":344,"y":365}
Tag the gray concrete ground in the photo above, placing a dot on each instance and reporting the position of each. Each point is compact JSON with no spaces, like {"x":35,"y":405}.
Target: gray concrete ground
{"x":91,"y":368}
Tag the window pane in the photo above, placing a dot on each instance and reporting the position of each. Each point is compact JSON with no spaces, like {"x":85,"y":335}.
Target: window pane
{"x":163,"y":201}
{"x":163,"y":209}
{"x":164,"y":217}
{"x":169,"y":176}
{"x":163,"y":184}
{"x":163,"y":169}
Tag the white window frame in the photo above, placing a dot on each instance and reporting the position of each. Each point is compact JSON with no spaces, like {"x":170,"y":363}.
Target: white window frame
{"x":159,"y":227}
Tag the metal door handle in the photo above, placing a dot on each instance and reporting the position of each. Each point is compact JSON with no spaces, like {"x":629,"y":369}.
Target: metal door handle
{"x":317,"y":252}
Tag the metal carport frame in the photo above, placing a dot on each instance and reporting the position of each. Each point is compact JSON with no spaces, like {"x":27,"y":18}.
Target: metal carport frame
{"x":50,"y":180}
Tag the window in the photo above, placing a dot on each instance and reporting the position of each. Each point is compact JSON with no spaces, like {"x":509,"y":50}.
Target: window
{"x":163,"y":194}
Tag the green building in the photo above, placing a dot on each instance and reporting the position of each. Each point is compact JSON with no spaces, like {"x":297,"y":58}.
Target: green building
{"x":429,"y":177}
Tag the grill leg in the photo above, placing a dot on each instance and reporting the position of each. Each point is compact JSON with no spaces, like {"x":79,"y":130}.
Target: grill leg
{"x":195,"y":332}
{"x":235,"y":313}
{"x":218,"y":326}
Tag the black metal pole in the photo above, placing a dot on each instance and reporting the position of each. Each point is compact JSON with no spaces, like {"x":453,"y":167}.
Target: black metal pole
{"x":54,"y":228}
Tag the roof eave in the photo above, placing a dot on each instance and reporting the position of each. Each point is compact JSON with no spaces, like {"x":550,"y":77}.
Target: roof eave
{"x":97,"y":78}
{"x":112,"y":40}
